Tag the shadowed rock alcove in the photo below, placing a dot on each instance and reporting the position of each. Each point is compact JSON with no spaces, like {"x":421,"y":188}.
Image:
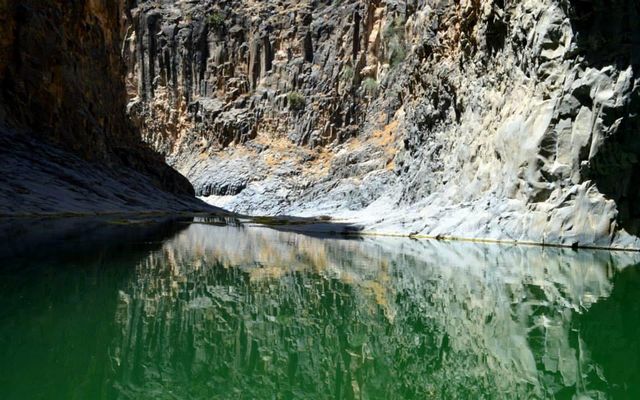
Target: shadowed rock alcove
{"x":608,"y":37}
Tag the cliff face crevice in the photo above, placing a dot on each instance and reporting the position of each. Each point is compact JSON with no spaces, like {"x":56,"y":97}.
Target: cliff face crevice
{"x":63,"y":115}
{"x":475,"y":118}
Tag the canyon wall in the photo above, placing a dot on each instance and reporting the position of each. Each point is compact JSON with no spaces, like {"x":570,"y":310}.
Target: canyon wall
{"x":66,"y":143}
{"x":494,"y":119}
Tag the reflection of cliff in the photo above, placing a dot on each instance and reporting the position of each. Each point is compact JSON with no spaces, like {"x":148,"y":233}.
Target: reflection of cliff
{"x":74,"y":238}
{"x":222,"y":308}
{"x":617,"y":352}
{"x":59,"y":286}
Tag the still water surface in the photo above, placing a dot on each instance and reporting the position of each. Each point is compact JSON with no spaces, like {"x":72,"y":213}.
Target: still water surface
{"x":205,"y":310}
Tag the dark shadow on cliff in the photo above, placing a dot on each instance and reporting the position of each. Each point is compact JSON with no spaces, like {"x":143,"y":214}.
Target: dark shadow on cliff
{"x":608,"y":34}
{"x":63,"y":121}
{"x":611,"y":332}
{"x":39,"y":178}
{"x":608,"y":31}
{"x":83,"y":239}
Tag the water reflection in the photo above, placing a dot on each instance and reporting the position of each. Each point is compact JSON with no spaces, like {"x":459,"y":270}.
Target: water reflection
{"x":259,"y":312}
{"x":222,"y":311}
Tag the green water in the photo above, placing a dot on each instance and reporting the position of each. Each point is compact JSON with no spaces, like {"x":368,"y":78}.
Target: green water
{"x":180,"y":310}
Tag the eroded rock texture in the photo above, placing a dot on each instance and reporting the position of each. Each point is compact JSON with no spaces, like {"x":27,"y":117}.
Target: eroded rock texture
{"x":66,"y":141}
{"x":499,"y":119}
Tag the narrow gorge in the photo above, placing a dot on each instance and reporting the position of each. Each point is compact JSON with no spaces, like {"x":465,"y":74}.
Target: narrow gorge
{"x":487,"y":119}
{"x":319,"y":199}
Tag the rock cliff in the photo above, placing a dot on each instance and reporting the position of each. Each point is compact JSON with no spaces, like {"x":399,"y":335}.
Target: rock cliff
{"x":66,"y":143}
{"x":495,"y":119}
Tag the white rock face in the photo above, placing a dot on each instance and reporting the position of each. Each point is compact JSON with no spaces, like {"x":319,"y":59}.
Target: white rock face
{"x":480,"y":119}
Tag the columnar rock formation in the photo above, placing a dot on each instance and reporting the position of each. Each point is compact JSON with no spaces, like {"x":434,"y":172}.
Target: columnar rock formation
{"x":513,"y":120}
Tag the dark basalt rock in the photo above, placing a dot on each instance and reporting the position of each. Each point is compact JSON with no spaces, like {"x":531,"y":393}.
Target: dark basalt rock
{"x":63,"y":95}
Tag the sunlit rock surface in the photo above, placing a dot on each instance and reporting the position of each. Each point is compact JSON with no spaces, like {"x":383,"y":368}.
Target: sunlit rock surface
{"x":510,"y":120}
{"x":492,"y":119}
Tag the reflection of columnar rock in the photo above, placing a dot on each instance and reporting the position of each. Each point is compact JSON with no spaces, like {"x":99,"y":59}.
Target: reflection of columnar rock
{"x":274,"y":312}
{"x":509,"y":120}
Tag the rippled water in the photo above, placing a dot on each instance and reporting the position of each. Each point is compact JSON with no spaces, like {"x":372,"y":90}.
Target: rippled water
{"x":181,"y":310}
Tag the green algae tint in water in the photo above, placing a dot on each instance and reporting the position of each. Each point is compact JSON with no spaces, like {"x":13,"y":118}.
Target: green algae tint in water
{"x":202,"y":311}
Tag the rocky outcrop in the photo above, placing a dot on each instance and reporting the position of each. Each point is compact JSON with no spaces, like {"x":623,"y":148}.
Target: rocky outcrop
{"x":38,"y":178}
{"x":477,"y":118}
{"x":67,"y":143}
